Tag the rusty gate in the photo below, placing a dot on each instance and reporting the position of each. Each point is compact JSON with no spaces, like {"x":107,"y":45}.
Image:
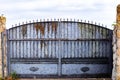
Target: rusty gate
{"x":59,"y":49}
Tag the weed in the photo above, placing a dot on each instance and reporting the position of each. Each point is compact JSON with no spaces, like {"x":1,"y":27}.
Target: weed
{"x":14,"y":76}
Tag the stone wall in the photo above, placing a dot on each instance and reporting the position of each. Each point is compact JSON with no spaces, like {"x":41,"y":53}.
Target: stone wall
{"x":2,"y":28}
{"x":116,"y":47}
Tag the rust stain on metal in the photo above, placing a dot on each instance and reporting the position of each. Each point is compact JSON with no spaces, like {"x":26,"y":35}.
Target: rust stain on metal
{"x":24,"y":30}
{"x":54,"y":27}
{"x":90,"y":30}
{"x":48,"y":27}
{"x":79,"y":26}
{"x":40,"y":27}
{"x":42,"y":44}
{"x":103,"y":32}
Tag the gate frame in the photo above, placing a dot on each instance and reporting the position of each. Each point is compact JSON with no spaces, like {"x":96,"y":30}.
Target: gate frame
{"x":8,"y":55}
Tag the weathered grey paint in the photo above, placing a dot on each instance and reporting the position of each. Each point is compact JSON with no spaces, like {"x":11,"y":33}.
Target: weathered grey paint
{"x":42,"y":69}
{"x":62,"y":42}
{"x":71,"y":69}
{"x":28,"y":41}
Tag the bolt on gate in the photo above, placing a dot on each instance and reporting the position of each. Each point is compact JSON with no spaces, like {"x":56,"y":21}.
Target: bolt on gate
{"x":59,"y":48}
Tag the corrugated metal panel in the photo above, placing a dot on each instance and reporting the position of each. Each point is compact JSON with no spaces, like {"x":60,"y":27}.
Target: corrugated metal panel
{"x":40,"y":40}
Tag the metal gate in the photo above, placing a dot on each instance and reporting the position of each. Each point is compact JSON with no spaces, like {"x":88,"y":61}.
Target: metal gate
{"x":59,"y":49}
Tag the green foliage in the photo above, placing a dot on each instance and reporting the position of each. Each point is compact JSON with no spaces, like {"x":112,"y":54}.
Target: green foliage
{"x":114,"y":24}
{"x":14,"y":76}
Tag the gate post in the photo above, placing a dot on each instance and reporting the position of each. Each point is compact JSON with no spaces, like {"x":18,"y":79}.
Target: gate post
{"x":2,"y":47}
{"x":116,"y":47}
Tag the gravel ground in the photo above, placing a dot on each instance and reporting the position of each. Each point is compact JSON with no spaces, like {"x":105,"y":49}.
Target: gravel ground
{"x":72,"y":79}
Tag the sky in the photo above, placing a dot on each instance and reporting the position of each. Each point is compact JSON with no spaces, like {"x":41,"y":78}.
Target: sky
{"x":19,"y":11}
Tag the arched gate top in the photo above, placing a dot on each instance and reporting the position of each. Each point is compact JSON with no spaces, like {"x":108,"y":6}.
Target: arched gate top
{"x":59,"y":29}
{"x":61,"y":21}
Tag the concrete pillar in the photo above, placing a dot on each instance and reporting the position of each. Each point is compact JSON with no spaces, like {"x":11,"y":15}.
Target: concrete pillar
{"x":116,"y":47}
{"x":2,"y":28}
